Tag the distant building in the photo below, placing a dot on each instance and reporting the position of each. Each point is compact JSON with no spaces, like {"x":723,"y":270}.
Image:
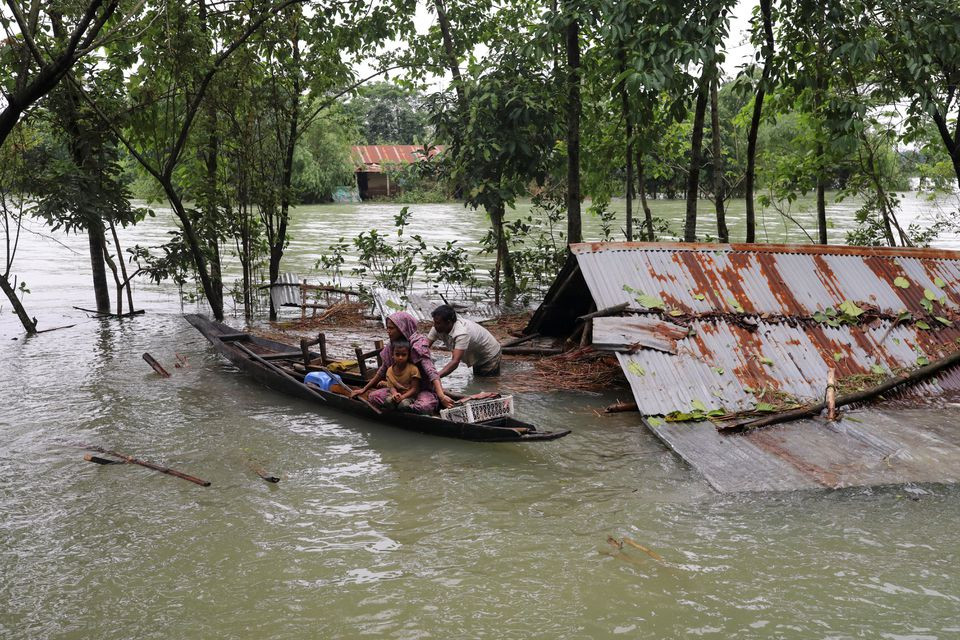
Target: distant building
{"x":374,"y":161}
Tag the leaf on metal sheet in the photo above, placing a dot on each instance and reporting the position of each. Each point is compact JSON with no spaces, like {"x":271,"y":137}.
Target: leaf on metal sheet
{"x":764,"y":407}
{"x":654,"y":422}
{"x":716,"y":413}
{"x":394,"y":305}
{"x":636,"y":369}
{"x":926,"y":304}
{"x":943,"y":321}
{"x":929,"y":295}
{"x":848,"y":308}
{"x":700,"y":296}
{"x":718,"y":371}
{"x":922,"y":325}
{"x":904,"y":315}
{"x":736,"y":305}
{"x":650,"y":302}
{"x":767,"y":361}
{"x":901,"y":282}
{"x":676,"y":312}
{"x":939,"y":282}
{"x":837,"y":356}
{"x":698,"y":405}
{"x":923,"y":361}
{"x":875,"y":368}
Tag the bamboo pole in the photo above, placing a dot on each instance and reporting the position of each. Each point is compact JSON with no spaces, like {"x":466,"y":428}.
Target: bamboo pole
{"x":831,"y":394}
{"x":890,"y":384}
{"x":148,"y":465}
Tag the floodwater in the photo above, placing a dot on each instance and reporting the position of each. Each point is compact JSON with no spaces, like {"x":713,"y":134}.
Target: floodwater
{"x":374,"y":532}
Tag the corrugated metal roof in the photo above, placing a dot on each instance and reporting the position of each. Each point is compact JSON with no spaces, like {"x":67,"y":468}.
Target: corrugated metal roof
{"x":370,"y":157}
{"x":750,"y":309}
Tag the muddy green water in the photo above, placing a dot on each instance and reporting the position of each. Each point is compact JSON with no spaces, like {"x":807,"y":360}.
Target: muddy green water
{"x":374,"y":532}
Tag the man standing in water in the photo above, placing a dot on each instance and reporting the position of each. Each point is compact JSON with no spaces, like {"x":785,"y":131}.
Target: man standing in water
{"x":468,"y":341}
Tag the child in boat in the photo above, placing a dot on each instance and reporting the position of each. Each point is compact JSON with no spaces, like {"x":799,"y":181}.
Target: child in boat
{"x":402,"y":382}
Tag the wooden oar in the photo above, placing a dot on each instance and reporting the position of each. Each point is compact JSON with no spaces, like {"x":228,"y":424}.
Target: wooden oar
{"x":148,"y":465}
{"x":277,"y":369}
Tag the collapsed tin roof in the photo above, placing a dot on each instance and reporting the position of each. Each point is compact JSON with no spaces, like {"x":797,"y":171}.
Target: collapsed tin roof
{"x":722,"y":328}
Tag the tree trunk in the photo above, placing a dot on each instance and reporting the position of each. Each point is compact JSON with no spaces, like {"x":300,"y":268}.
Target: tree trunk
{"x":212,"y":287}
{"x":951,"y":143}
{"x":450,"y":51}
{"x":123,"y":266}
{"x":696,"y":151}
{"x":29,"y":324}
{"x":755,"y":119}
{"x":628,"y":120}
{"x":642,"y":190}
{"x":503,"y":253}
{"x":821,"y":204}
{"x":278,"y":242}
{"x":574,"y":224}
{"x":821,"y":169}
{"x":87,"y":28}
{"x":97,"y":243}
{"x":719,"y":184}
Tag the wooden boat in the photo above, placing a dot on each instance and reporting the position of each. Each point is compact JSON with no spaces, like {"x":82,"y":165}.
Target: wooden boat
{"x":271,"y":363}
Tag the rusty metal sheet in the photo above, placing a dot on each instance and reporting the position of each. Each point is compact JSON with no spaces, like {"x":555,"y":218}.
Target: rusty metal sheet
{"x":718,"y":278}
{"x":872,"y":446}
{"x":371,"y":157}
{"x":631,"y":333}
{"x":749,"y":309}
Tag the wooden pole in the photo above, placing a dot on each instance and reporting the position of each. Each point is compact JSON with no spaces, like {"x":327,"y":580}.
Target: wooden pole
{"x":378,"y":345}
{"x":361,"y":362}
{"x":831,"y":394}
{"x":890,"y":384}
{"x":305,"y":351}
{"x":149,"y":465}
{"x":608,"y":311}
{"x":89,"y":457}
{"x":322,"y":342}
{"x":303,"y":301}
{"x":520,"y":340}
{"x":156,"y":365}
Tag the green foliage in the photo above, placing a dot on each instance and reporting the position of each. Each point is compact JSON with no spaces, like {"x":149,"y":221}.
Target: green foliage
{"x":321,"y":160}
{"x":388,"y":113}
{"x":391,"y":265}
{"x":451,"y":267}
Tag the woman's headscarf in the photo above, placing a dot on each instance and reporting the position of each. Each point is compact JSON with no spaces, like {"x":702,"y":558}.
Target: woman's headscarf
{"x":419,"y":346}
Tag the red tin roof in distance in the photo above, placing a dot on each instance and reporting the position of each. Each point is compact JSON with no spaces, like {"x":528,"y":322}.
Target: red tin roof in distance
{"x":371,"y":156}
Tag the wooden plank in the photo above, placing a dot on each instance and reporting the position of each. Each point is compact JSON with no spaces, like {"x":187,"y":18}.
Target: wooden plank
{"x":288,"y":355}
{"x":156,"y":365}
{"x":231,"y":337}
{"x":631,"y":333}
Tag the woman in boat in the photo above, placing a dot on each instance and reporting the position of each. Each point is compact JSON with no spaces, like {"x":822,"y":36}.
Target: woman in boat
{"x":403,"y":326}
